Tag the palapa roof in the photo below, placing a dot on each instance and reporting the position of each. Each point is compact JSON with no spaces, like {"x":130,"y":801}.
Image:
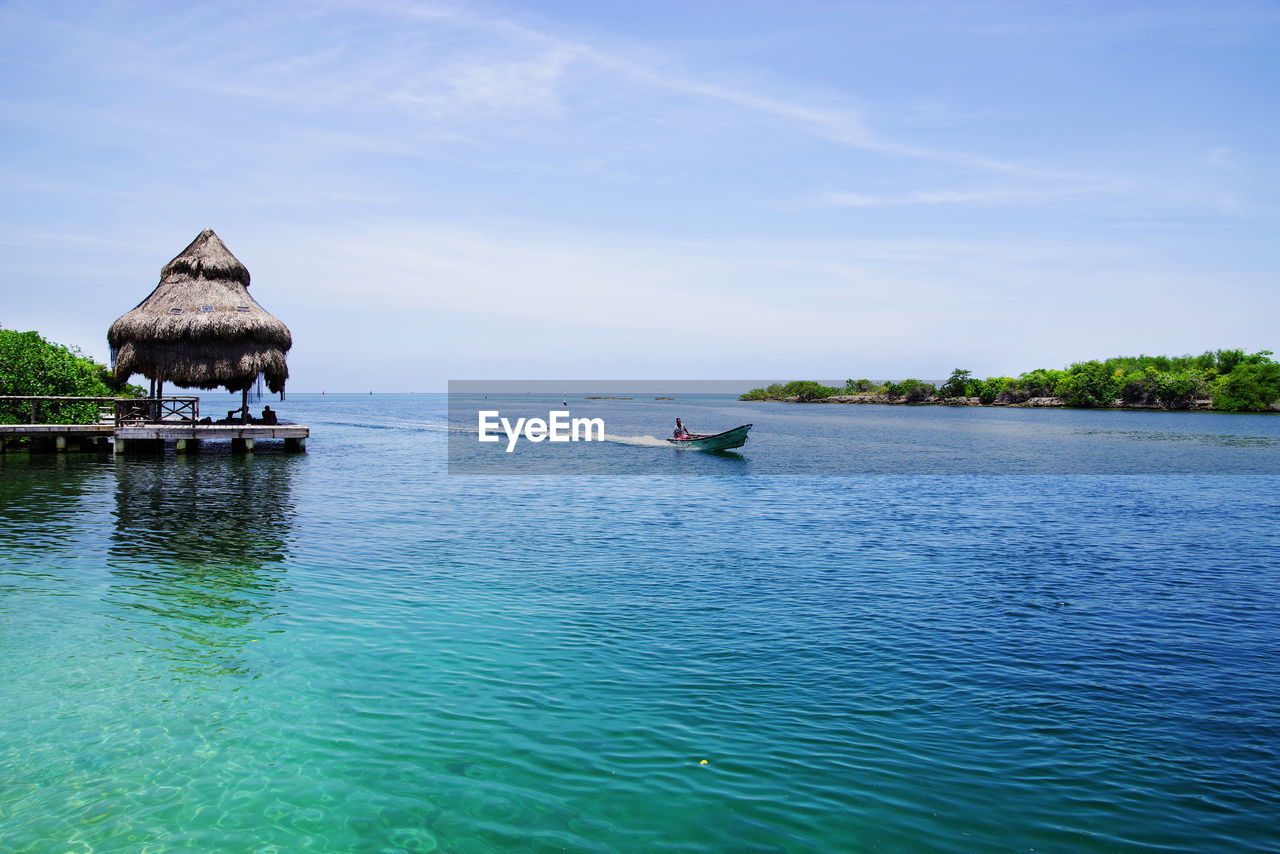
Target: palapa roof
{"x":200,"y":328}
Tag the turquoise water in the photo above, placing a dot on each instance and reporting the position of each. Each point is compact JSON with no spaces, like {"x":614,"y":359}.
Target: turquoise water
{"x":351,"y":650}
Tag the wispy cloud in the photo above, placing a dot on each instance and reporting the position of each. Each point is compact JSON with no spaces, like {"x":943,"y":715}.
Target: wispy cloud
{"x":843,"y":125}
{"x":446,"y":68}
{"x":525,"y":86}
{"x":839,"y":199}
{"x":499,"y":67}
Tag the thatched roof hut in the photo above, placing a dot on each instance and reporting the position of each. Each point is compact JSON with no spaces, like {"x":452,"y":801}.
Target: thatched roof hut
{"x":200,"y":328}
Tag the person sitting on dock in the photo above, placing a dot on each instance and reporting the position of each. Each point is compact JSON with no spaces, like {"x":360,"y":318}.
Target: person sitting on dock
{"x":681,"y":433}
{"x":269,"y":415}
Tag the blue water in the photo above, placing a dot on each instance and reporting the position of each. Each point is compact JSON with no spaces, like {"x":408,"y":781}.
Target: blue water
{"x":352,"y":650}
{"x":859,"y":439}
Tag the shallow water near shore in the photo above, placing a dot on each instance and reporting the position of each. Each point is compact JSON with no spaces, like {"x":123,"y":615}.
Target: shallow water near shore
{"x":352,"y":650}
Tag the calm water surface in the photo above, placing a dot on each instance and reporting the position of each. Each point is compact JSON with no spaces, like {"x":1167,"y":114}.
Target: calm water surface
{"x":351,"y":650}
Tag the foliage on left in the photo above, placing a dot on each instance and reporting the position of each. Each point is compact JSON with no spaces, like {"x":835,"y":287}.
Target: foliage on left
{"x":31,"y":365}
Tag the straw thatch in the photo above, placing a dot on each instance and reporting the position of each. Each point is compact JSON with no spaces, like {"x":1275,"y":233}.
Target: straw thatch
{"x":221,"y":336}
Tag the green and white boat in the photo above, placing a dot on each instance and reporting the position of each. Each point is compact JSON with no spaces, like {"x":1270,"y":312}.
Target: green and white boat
{"x":729,"y":439}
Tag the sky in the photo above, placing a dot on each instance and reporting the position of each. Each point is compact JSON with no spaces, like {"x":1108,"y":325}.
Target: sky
{"x":430,"y":191}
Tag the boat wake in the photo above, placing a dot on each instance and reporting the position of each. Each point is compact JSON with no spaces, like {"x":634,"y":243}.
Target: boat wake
{"x":430,"y":427}
{"x":642,"y":441}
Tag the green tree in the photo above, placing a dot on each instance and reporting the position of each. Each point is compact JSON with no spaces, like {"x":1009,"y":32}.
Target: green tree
{"x":771,"y":392}
{"x":988,"y":391}
{"x":33,"y":366}
{"x":1249,"y":387}
{"x":808,"y":390}
{"x":1137,"y":387}
{"x":912,"y":390}
{"x":1205,"y":362}
{"x":858,"y":386}
{"x":1038,"y":383}
{"x":1227,"y":360}
{"x":1176,"y":389}
{"x":1087,"y":385}
{"x":957,"y":385}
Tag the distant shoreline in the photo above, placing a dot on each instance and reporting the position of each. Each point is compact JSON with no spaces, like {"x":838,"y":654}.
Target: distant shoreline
{"x":1201,"y":405}
{"x":1217,"y":380}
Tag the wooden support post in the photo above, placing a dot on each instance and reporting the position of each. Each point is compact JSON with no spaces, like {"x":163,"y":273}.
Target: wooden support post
{"x":187,"y":446}
{"x":242,"y":446}
{"x":60,"y":443}
{"x":295,"y":446}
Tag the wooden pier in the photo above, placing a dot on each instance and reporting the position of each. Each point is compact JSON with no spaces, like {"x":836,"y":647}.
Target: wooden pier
{"x":138,"y":426}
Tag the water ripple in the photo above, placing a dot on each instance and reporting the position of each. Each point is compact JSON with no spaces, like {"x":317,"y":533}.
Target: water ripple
{"x":333,"y":653}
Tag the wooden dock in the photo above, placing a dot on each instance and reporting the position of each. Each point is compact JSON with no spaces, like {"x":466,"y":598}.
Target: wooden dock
{"x":141,"y":426}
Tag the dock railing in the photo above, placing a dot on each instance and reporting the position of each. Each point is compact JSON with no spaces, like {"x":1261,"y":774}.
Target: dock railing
{"x":157,"y":410}
{"x":56,"y":409}
{"x":48,"y":409}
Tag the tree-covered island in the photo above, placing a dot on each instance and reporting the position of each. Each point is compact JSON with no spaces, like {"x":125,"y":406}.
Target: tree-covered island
{"x":1223,"y":380}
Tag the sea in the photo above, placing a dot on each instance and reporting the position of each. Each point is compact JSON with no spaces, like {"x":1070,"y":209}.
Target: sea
{"x":872,"y":628}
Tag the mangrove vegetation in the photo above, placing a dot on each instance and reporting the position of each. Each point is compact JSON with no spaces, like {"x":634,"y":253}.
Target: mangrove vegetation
{"x":1224,"y":380}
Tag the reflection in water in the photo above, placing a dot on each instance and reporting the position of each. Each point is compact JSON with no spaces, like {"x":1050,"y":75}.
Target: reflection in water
{"x":197,"y":549}
{"x":45,"y":502}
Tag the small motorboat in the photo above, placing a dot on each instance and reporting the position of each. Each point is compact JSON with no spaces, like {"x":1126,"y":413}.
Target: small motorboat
{"x":729,"y":439}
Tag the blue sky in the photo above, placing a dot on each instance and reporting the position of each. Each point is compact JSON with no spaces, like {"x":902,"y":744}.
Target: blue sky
{"x":425,"y":191}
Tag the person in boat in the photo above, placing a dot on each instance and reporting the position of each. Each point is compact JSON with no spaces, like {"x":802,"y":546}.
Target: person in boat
{"x":681,"y":433}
